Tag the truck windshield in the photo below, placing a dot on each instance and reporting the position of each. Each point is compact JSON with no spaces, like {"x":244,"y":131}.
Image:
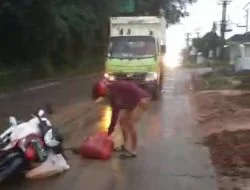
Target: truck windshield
{"x":132,"y":47}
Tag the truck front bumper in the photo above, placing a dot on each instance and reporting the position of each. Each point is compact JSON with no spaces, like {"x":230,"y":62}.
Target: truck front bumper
{"x":150,"y":86}
{"x":147,"y":81}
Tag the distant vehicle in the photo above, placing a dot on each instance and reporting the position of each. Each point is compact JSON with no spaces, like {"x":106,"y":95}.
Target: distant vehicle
{"x":136,"y":51}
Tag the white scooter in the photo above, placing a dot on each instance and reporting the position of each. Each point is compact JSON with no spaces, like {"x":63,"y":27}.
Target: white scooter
{"x":27,"y":141}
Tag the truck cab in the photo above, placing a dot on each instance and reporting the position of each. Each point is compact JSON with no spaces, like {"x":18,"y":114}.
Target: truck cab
{"x":137,"y":57}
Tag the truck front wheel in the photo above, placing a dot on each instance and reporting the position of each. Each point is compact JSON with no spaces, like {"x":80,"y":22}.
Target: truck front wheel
{"x":156,"y":93}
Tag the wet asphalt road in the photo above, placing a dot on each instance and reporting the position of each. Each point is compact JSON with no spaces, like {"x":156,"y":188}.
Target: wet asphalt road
{"x":57,"y":93}
{"x":168,"y":154}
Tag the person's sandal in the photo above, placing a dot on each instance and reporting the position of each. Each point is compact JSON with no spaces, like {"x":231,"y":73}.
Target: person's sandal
{"x":120,"y":149}
{"x":127,"y":154}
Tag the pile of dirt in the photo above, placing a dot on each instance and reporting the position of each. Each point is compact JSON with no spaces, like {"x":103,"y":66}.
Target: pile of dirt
{"x":230,"y":149}
{"x":242,"y":100}
{"x":222,"y":110}
{"x":214,"y":105}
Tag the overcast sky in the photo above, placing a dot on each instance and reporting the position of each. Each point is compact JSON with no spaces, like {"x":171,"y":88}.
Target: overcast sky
{"x":202,"y":15}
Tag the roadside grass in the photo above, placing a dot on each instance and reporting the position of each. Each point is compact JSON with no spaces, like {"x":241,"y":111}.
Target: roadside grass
{"x":190,"y":65}
{"x":214,"y":64}
{"x":244,"y":79}
{"x":215,"y":81}
{"x":223,"y":79}
{"x":221,"y":64}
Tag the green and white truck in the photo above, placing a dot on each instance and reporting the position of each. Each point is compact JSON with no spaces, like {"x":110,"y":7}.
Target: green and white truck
{"x":136,"y":49}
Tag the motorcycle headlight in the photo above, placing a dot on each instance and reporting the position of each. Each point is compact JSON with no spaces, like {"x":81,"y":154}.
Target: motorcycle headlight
{"x":151,"y":76}
{"x":109,"y":76}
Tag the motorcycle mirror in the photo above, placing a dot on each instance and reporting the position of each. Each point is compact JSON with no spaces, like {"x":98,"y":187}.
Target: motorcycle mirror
{"x":12,"y":121}
{"x":41,"y":113}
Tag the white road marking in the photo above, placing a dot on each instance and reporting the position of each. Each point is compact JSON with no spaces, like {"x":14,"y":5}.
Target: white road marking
{"x":42,"y":86}
{"x":5,"y":95}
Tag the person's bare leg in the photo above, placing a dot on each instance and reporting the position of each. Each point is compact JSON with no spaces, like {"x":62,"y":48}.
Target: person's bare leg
{"x":123,"y":124}
{"x":125,"y":136}
{"x":133,"y":135}
{"x":131,"y":153}
{"x":132,"y":120}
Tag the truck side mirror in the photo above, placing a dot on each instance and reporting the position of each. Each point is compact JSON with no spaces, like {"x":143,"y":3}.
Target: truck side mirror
{"x":163,"y":48}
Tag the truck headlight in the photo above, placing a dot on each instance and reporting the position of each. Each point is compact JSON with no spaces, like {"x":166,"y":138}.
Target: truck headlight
{"x":151,"y":76}
{"x":109,"y":76}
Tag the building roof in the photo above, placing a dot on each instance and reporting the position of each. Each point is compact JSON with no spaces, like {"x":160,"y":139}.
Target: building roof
{"x":240,"y":38}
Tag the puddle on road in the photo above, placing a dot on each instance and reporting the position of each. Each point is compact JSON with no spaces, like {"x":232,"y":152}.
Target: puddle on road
{"x":155,"y":130}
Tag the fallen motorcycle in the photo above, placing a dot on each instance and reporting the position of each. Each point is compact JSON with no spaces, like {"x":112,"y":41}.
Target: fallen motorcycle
{"x":24,"y":143}
{"x":15,"y":160}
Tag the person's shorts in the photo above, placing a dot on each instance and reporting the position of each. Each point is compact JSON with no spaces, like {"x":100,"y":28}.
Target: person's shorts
{"x":134,"y":115}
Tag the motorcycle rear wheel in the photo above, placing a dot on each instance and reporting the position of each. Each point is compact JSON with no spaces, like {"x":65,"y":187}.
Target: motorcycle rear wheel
{"x":15,"y":168}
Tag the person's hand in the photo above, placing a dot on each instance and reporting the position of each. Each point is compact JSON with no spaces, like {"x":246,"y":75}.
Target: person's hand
{"x":98,"y":100}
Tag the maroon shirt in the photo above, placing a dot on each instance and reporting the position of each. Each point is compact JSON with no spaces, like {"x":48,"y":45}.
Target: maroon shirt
{"x":124,"y":95}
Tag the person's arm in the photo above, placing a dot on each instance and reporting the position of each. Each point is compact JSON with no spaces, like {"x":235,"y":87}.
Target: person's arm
{"x":115,"y":114}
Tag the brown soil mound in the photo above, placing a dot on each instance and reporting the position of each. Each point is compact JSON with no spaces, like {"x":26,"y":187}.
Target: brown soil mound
{"x":230,"y":149}
{"x":241,"y":100}
{"x":218,"y":111}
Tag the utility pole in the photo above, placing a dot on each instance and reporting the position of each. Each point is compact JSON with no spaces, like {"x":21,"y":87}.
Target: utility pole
{"x":198,"y":34}
{"x":197,"y":31}
{"x":224,"y":4}
{"x":188,"y":35}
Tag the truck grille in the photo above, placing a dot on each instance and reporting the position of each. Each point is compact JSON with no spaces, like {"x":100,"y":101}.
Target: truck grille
{"x":137,"y":77}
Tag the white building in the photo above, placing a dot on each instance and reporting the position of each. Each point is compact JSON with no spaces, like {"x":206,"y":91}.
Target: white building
{"x":239,"y":51}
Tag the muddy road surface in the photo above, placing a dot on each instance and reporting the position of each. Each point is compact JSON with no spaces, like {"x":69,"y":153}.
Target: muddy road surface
{"x":169,"y":156}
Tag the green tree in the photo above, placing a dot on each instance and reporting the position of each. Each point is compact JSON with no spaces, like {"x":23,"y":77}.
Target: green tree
{"x":174,"y":9}
{"x":210,"y":41}
{"x":51,"y":34}
{"x":27,"y":30}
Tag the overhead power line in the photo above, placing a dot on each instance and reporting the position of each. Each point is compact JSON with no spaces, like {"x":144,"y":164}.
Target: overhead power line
{"x":246,"y":9}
